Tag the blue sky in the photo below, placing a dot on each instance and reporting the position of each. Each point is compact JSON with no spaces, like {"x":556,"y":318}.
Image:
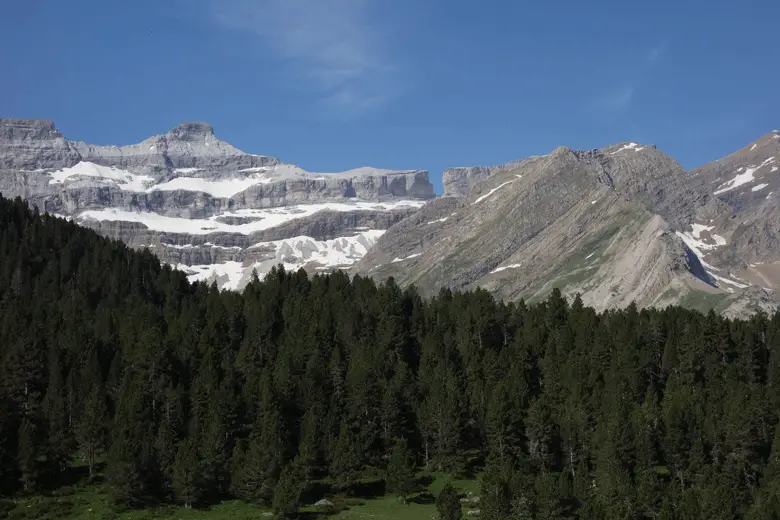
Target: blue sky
{"x":336,"y":84}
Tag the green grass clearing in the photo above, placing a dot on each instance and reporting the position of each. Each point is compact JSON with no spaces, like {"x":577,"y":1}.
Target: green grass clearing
{"x":93,"y":502}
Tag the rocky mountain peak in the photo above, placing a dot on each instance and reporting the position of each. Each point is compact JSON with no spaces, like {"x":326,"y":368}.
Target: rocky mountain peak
{"x":191,"y":131}
{"x":560,"y":151}
{"x":28,"y":144}
{"x":13,"y":129}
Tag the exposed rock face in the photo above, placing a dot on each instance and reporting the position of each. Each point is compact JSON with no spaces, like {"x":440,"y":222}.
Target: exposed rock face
{"x":28,"y":144}
{"x":458,"y":182}
{"x":617,"y":224}
{"x":198,"y":201}
{"x":744,"y":236}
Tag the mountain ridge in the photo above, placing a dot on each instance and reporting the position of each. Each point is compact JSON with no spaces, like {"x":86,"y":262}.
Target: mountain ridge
{"x":621,"y":223}
{"x":639,"y":234}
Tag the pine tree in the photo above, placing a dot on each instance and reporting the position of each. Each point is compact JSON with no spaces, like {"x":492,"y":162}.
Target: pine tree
{"x":258,"y":468}
{"x":186,"y":480}
{"x":27,"y":456}
{"x":287,"y":494}
{"x":495,"y":500}
{"x":129,"y":469}
{"x":124,"y":470}
{"x":521,"y":509}
{"x":448,"y":503}
{"x":60,"y":440}
{"x":504,"y":424}
{"x":90,"y":428}
{"x":400,"y":470}
{"x":166,"y":450}
{"x":347,"y":462}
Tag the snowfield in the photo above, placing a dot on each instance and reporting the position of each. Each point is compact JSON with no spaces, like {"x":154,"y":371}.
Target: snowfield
{"x":743,"y":176}
{"x":266,"y":218}
{"x":220,"y":188}
{"x":223,"y":189}
{"x":292,"y":253}
{"x":124,"y":179}
{"x":693,"y":241}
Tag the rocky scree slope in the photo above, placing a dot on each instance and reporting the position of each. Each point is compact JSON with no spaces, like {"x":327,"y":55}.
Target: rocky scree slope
{"x":203,"y":205}
{"x":618,"y":224}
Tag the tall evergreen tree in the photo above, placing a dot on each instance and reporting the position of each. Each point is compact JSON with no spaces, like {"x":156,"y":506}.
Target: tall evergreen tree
{"x":287,"y":494}
{"x":187,"y":480}
{"x":91,"y":428}
{"x":28,"y":456}
{"x":400,"y":470}
{"x":448,"y":503}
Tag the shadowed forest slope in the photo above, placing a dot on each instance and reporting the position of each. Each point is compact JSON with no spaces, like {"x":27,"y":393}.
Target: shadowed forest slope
{"x":302,"y":385}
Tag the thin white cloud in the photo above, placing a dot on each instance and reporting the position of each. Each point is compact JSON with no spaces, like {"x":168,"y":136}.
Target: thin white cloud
{"x":332,"y":47}
{"x":618,"y":99}
{"x":657,"y":52}
{"x":622,"y":97}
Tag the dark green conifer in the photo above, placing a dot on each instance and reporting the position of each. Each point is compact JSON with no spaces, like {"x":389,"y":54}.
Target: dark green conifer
{"x":448,"y":503}
{"x":399,"y":475}
{"x":187,"y":483}
{"x":91,"y":428}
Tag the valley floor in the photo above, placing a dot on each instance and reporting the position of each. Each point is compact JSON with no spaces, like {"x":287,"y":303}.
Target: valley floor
{"x":93,"y":502}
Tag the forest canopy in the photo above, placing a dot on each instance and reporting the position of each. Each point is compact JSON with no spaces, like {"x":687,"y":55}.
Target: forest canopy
{"x":189,"y":394}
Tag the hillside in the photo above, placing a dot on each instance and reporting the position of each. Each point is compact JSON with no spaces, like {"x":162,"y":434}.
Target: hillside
{"x":621,"y":224}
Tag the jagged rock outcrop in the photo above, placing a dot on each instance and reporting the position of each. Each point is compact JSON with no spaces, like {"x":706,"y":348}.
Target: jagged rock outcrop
{"x":458,"y":181}
{"x":29,"y":144}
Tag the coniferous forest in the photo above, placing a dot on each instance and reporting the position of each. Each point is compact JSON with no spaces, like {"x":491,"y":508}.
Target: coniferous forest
{"x":178,"y":392}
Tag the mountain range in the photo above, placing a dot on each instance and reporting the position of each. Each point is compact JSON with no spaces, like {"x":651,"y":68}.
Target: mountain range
{"x":620,"y":224}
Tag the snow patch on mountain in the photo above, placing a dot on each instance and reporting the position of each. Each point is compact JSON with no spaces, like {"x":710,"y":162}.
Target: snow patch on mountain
{"x":759,"y":187}
{"x":629,"y":146}
{"x":122,"y":178}
{"x":698,"y":247}
{"x":415,"y":255}
{"x":266,"y":218}
{"x":738,"y":180}
{"x":698,"y":228}
{"x":729,"y":282}
{"x":228,"y":275}
{"x":207,"y":244}
{"x":292,"y":253}
{"x":223,"y":189}
{"x":504,"y":268}
{"x":226,"y":187}
{"x":491,"y":192}
{"x":443,"y":219}
{"x":745,"y":177}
